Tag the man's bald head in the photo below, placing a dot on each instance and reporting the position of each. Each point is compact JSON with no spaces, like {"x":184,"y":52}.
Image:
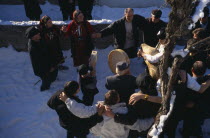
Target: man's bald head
{"x":129,"y":12}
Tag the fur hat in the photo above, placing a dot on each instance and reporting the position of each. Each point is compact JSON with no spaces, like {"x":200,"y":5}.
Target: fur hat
{"x":122,"y":65}
{"x":31,"y":31}
{"x":157,"y":13}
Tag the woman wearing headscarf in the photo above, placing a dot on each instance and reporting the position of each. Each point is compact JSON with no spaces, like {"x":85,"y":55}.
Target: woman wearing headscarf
{"x":80,"y":32}
{"x":51,"y":35}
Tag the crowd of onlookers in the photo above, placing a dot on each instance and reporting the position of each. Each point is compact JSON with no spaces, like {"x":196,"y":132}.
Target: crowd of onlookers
{"x":123,"y":113}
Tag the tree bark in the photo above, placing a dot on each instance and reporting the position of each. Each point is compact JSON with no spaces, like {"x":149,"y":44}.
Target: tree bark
{"x":177,"y":28}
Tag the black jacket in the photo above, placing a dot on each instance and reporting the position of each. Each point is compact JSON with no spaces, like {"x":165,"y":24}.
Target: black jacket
{"x":69,"y":121}
{"x":88,"y":85}
{"x":32,"y":8}
{"x":150,"y":36}
{"x":117,"y":29}
{"x":204,"y":98}
{"x":125,"y":85}
{"x":40,"y":57}
{"x":51,"y":37}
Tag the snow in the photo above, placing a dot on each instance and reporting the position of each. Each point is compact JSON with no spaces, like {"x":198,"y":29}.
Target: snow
{"x":156,"y":130}
{"x":130,"y":3}
{"x":23,"y":109}
{"x":101,"y":14}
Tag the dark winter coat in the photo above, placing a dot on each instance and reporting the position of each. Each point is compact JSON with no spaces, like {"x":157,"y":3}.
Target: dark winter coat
{"x":88,"y":84}
{"x":198,"y":25}
{"x":89,"y":89}
{"x":68,"y":121}
{"x":51,"y":37}
{"x":204,"y":101}
{"x":32,"y":8}
{"x":40,"y":57}
{"x":150,"y":36}
{"x":125,"y":85}
{"x":117,"y":29}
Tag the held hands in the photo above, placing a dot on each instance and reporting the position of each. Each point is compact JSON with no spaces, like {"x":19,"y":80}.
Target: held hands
{"x":105,"y":110}
{"x":135,"y":98}
{"x":64,"y":29}
{"x":100,"y":109}
{"x":108,"y":112}
{"x":96,"y":35}
{"x":140,"y":53}
{"x":63,"y":97}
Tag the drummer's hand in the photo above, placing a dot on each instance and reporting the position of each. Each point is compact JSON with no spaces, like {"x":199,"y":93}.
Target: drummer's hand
{"x":140,"y":53}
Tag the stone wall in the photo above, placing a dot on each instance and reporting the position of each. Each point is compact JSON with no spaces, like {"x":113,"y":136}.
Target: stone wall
{"x":15,"y":36}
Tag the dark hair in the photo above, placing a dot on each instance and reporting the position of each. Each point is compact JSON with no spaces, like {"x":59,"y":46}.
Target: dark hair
{"x":200,"y":32}
{"x":111,"y":97}
{"x":157,"y":13}
{"x":199,"y":68}
{"x":126,"y":10}
{"x":83,"y":69}
{"x":161,"y":33}
{"x":146,"y":84}
{"x":43,"y":22}
{"x":70,"y":88}
{"x":44,"y":19}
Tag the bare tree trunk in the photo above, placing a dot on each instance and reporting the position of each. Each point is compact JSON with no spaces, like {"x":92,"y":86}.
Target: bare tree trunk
{"x":177,"y":28}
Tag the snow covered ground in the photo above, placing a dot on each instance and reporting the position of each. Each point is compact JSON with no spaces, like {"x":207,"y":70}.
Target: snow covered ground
{"x":15,"y":14}
{"x":23,"y":109}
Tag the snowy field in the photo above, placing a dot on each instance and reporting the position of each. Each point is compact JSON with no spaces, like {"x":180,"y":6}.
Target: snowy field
{"x":23,"y":109}
{"x":103,"y":14}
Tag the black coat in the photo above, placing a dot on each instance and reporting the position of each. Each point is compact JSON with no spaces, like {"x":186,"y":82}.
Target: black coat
{"x":51,"y":37}
{"x":125,"y":85}
{"x":117,"y":29}
{"x":88,"y":85}
{"x":65,"y":5}
{"x":40,"y":57}
{"x":204,"y":101}
{"x":68,"y":121}
{"x":198,"y":25}
{"x":32,"y":8}
{"x":150,"y":36}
